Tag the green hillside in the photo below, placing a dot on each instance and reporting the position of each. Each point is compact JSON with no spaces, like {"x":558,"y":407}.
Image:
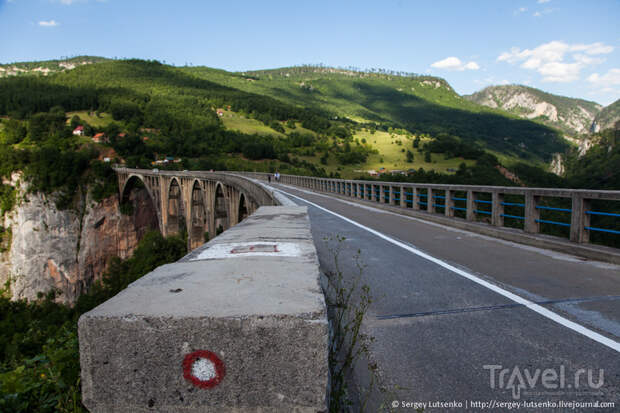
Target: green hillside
{"x":304,"y":120}
{"x":420,"y":104}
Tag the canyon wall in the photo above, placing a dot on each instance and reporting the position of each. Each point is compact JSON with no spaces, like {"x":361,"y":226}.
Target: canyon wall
{"x":45,"y":248}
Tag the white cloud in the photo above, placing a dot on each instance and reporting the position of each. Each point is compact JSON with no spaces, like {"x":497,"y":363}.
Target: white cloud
{"x":560,"y":72}
{"x":587,"y":60}
{"x":69,"y":2}
{"x":491,"y":80}
{"x":543,"y":1}
{"x":520,"y":10}
{"x":448,"y":63}
{"x":594,"y":48}
{"x":612,"y":77}
{"x":49,"y":23}
{"x":454,"y":63}
{"x":540,"y":13}
{"x":548,"y":59}
{"x":471,"y":66}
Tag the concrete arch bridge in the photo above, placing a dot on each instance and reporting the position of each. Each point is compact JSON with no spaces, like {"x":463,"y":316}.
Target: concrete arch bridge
{"x":201,"y":203}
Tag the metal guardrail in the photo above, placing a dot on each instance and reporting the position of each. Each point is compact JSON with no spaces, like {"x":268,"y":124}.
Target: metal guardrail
{"x":476,"y":202}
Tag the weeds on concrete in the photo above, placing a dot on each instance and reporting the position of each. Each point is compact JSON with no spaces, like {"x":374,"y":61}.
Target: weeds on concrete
{"x":348,"y":301}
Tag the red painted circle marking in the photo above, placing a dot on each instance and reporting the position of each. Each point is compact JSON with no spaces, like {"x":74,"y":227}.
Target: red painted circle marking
{"x":191,"y":358}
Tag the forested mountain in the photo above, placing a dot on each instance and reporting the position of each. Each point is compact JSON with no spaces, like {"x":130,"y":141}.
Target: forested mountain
{"x":608,"y":117}
{"x":299,"y":120}
{"x":571,"y":116}
{"x":419,"y":104}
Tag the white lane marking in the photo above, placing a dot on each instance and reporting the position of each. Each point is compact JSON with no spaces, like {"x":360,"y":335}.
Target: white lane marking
{"x":516,"y":298}
{"x":550,"y":253}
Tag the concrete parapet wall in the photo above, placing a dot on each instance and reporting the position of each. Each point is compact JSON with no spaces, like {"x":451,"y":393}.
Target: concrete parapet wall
{"x":237,"y":325}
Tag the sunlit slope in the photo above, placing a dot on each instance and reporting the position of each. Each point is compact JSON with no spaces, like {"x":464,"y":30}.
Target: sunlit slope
{"x":421,"y":104}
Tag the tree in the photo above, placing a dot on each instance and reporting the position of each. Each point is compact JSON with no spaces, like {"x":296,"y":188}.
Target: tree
{"x":75,"y":121}
{"x":14,"y":131}
{"x":43,"y":125}
{"x":427,"y":157}
{"x":409,"y":156}
{"x":324,"y":158}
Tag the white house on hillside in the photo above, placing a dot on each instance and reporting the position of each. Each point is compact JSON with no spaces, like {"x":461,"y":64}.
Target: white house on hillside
{"x":79,"y":131}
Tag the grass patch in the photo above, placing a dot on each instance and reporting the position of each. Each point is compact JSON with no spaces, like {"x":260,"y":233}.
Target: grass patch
{"x":237,"y":122}
{"x":94,"y":120}
{"x":390,"y":156}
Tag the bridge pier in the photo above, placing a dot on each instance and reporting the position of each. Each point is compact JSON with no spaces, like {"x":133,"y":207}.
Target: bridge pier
{"x":195,"y":204}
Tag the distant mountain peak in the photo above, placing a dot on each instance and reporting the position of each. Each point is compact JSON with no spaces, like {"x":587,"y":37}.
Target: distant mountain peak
{"x":607,"y":118}
{"x":572,"y":116}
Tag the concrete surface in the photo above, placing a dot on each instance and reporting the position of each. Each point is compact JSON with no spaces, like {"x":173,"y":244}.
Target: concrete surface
{"x":434,"y":331}
{"x":263,"y":316}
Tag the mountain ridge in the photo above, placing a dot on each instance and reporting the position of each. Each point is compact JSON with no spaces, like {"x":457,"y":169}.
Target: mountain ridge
{"x":572,"y":116}
{"x":607,"y":118}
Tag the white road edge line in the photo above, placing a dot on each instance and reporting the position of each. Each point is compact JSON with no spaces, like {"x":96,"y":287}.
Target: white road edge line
{"x":549,"y":253}
{"x":614,"y":345}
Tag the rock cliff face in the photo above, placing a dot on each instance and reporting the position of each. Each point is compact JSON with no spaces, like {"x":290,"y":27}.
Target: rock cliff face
{"x":557,"y":164}
{"x":572,"y":116}
{"x":68,"y":249}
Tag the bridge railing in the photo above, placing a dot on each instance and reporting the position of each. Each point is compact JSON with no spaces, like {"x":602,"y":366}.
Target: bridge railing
{"x":571,"y":212}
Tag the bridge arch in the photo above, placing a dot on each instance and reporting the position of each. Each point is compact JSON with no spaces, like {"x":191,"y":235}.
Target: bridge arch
{"x":135,"y":181}
{"x":139,"y":211}
{"x":175,"y":218}
{"x":198,"y":213}
{"x":220,"y":209}
{"x":242,"y":209}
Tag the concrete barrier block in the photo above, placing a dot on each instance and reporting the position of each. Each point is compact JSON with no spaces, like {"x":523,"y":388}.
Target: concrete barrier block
{"x":237,"y":325}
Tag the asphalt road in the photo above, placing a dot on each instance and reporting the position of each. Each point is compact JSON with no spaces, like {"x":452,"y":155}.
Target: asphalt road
{"x":473,"y":321}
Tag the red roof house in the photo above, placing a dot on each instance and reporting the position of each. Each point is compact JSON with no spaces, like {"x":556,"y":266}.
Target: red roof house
{"x":98,"y":138}
{"x":79,"y":131}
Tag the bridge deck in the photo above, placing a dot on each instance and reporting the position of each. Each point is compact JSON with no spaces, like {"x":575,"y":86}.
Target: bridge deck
{"x":435,"y":329}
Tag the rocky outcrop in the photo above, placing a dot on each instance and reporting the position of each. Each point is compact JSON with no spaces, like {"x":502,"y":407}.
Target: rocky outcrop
{"x":68,"y":249}
{"x":509,"y":175}
{"x":572,"y":116}
{"x":557,"y":164}
{"x":45,"y":68}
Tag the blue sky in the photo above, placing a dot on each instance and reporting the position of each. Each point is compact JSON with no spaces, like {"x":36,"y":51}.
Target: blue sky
{"x":566,"y":47}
